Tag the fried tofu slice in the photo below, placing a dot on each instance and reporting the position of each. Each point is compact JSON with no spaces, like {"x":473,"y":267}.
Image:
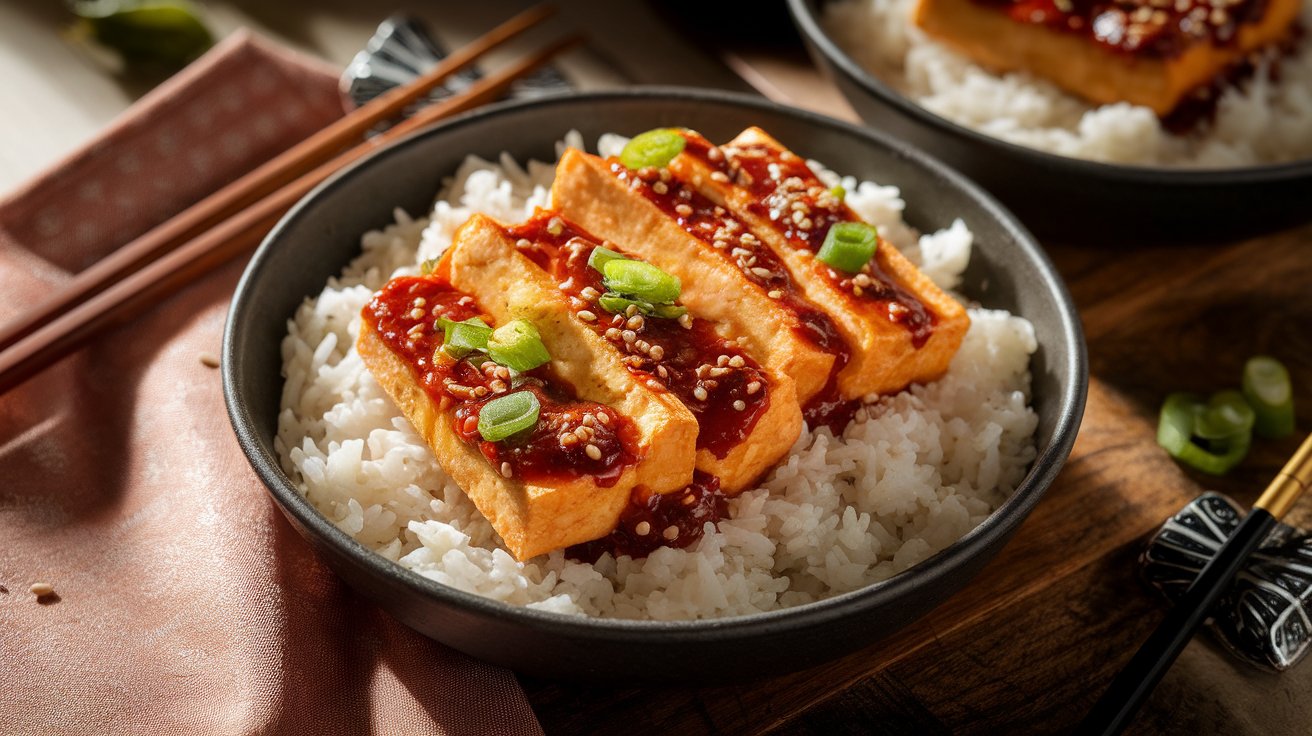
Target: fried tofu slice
{"x":488,"y":251}
{"x":786,"y":333}
{"x":554,"y":510}
{"x":907,"y":338}
{"x":1130,"y":70}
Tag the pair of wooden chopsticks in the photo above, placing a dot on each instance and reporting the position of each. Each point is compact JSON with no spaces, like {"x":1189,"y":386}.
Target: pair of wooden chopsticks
{"x":235,"y":218}
{"x":1118,"y":705}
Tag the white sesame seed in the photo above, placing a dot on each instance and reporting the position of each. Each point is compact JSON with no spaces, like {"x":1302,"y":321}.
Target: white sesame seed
{"x":753,"y":387}
{"x":700,"y":393}
{"x":775,"y":294}
{"x":739,"y":405}
{"x":416,"y":314}
{"x":683,"y":210}
{"x":629,"y":335}
{"x":719,"y":176}
{"x":506,"y":470}
{"x":643,"y":528}
{"x":631,"y":310}
{"x":660,"y":187}
{"x":635,"y":322}
{"x":210,"y":360}
{"x":762,"y":272}
{"x":589,"y":420}
{"x":604,"y":418}
{"x":737,"y":361}
{"x":612,"y":334}
{"x":523,"y":242}
{"x":556,"y":226}
{"x":671,"y":532}
{"x":593,"y":452}
{"x":722,"y":361}
{"x":587,"y":316}
{"x":589,"y":293}
{"x":657,"y":352}
{"x":685,"y":321}
{"x":41,"y":590}
{"x":660,"y":371}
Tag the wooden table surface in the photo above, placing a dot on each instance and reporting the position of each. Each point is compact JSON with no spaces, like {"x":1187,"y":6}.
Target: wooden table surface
{"x":1027,"y":646}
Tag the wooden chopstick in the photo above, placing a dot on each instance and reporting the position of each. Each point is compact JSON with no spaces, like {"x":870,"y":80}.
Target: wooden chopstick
{"x":1118,"y":705}
{"x":156,"y":280}
{"x":263,"y":180}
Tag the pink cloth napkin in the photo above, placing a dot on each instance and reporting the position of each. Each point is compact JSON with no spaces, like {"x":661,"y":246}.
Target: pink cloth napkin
{"x":184,"y":602}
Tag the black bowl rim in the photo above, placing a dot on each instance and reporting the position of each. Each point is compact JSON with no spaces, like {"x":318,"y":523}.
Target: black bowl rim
{"x":1002,"y":521}
{"x":807,"y":21}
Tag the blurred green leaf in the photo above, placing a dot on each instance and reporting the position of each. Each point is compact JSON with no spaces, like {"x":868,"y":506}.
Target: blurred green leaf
{"x":162,"y":32}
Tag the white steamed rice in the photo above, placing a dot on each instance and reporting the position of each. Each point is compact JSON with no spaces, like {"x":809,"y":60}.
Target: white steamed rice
{"x":1265,"y":121}
{"x":914,"y":473}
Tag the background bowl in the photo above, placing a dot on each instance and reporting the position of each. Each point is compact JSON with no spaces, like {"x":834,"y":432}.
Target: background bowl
{"x":321,"y":234}
{"x":1071,"y":198}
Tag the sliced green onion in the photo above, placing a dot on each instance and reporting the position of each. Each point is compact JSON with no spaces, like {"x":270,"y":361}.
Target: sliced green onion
{"x":849,"y":246}
{"x":1181,"y":414}
{"x":1175,"y":423}
{"x":1227,"y":414}
{"x":518,"y":346}
{"x":1221,"y":459}
{"x":427,"y":266}
{"x":838,"y":192}
{"x":655,"y":148}
{"x":162,"y":32}
{"x":462,"y":338}
{"x":1268,"y":389}
{"x":508,"y":415}
{"x":601,"y":256}
{"x":641,"y":280}
{"x":617,"y":304}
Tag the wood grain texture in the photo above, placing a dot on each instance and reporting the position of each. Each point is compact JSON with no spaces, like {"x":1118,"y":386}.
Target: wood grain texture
{"x":1027,"y":646}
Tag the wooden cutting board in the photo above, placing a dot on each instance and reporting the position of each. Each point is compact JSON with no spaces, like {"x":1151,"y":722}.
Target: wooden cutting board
{"x":1031,"y":642}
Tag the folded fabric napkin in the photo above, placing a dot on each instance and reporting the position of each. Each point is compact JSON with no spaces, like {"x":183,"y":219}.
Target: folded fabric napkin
{"x":183,"y":602}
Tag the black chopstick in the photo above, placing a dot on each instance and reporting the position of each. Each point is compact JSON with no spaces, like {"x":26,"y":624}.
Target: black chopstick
{"x":1135,"y":682}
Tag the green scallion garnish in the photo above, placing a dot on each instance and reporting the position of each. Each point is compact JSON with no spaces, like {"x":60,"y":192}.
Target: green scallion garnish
{"x":838,"y":192}
{"x":1226,"y":415}
{"x":518,"y":346}
{"x":601,"y":256}
{"x":508,"y":415}
{"x":616,"y":304}
{"x":462,"y":338}
{"x":1268,"y":389}
{"x":849,"y":246}
{"x":641,"y":280}
{"x":655,"y":148}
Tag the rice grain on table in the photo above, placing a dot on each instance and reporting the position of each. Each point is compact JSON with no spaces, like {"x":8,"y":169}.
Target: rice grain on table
{"x":1266,"y":120}
{"x":915,"y":473}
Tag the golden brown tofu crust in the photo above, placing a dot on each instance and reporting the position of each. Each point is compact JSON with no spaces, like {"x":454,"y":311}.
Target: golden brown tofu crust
{"x":531,"y":519}
{"x":883,"y":356}
{"x":484,"y":254}
{"x":485,"y":264}
{"x":1083,"y":67}
{"x":585,"y":192}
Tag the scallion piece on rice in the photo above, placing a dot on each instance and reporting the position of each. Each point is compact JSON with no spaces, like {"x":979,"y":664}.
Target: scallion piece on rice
{"x":508,"y":415}
{"x":1268,"y":389}
{"x":518,"y":346}
{"x":849,"y":246}
{"x":655,"y":149}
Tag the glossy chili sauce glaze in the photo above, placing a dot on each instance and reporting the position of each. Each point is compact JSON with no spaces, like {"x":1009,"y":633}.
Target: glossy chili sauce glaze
{"x":722,"y":386}
{"x":1142,"y":28}
{"x":405,"y":314}
{"x":787,"y":194}
{"x":652,"y":520}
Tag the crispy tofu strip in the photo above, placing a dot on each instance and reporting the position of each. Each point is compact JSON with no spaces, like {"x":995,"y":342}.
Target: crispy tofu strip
{"x":728,"y":276}
{"x":900,"y":327}
{"x":539,"y":492}
{"x":1061,"y":47}
{"x":747,"y":416}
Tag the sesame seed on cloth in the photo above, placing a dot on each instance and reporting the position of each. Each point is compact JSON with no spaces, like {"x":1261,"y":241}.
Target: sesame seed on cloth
{"x":183,"y":601}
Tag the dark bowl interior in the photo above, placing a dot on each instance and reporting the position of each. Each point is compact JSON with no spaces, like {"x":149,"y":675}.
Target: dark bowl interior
{"x":317,"y":238}
{"x":1068,"y":198}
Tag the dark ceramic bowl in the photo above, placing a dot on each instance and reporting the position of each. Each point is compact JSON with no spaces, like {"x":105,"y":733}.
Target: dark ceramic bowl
{"x":1071,"y":198}
{"x":321,"y":234}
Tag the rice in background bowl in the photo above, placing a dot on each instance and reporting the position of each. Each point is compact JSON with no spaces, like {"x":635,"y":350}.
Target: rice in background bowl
{"x":913,"y":474}
{"x":1264,"y":122}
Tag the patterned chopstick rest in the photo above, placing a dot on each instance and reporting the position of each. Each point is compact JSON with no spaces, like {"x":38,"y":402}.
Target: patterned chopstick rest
{"x":402,"y":49}
{"x":1264,"y":617}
